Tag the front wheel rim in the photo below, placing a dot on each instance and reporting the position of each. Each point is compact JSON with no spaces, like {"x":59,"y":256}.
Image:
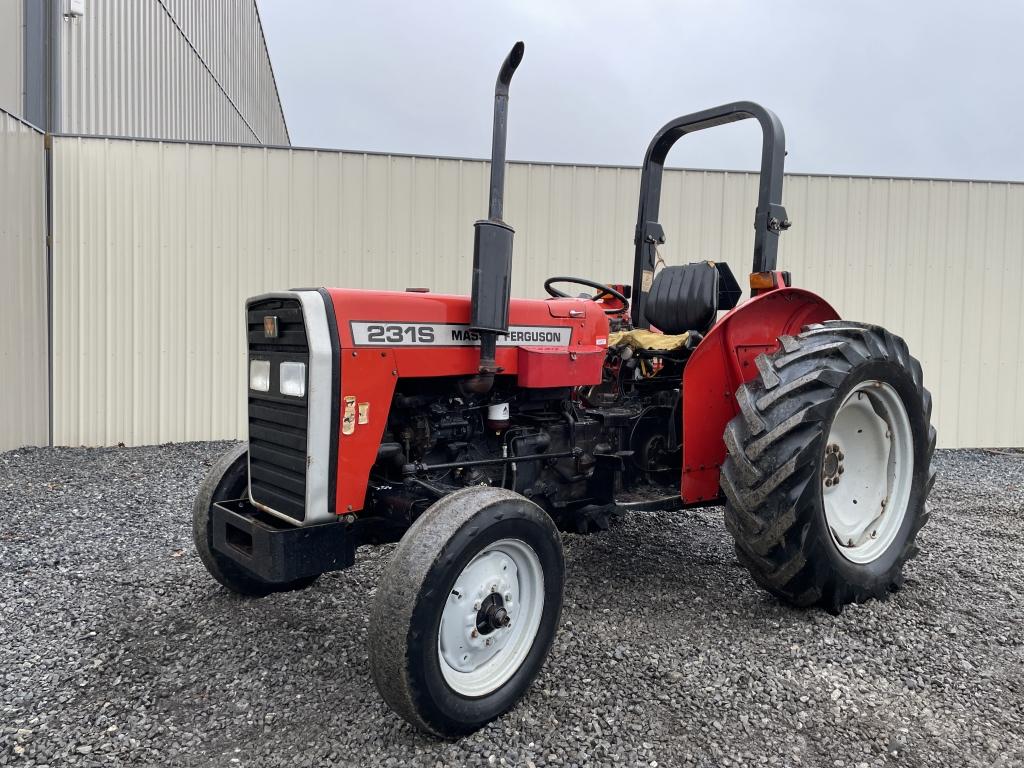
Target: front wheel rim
{"x":867,"y":471}
{"x":491,"y":618}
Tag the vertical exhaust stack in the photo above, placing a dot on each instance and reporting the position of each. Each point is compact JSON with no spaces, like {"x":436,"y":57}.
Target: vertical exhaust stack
{"x":492,"y":241}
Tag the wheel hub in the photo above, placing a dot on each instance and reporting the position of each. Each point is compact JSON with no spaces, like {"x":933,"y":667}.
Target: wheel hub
{"x":832,"y":466}
{"x":492,"y":615}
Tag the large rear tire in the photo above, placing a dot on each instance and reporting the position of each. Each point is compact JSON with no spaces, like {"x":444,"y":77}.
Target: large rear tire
{"x":829,"y":465}
{"x":228,"y":479}
{"x":466,"y":610}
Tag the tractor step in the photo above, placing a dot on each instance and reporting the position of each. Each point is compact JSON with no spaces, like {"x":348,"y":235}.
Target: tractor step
{"x":278,"y":552}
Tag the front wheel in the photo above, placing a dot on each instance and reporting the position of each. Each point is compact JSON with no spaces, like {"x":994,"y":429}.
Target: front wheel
{"x":228,"y":479}
{"x":829,"y":465}
{"x":466,"y":610}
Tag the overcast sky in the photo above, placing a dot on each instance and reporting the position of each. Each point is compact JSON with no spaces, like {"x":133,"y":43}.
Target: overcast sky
{"x":880,"y":87}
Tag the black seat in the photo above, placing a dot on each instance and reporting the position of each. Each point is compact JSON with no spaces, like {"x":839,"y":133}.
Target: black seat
{"x":683,"y":298}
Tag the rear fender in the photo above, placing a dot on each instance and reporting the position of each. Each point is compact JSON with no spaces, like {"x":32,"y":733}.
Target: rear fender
{"x":723,"y":361}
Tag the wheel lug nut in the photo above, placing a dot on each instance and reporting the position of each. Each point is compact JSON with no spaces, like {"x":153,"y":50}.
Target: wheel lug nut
{"x":476,"y":606}
{"x":828,"y":482}
{"x":488,"y":642}
{"x":841,"y":455}
{"x":841,"y":470}
{"x":474,"y":633}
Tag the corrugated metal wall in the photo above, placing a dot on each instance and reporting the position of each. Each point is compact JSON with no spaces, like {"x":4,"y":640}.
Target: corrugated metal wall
{"x":228,"y":36}
{"x":157,"y":245}
{"x":11,"y":55}
{"x":169,"y":69}
{"x":24,"y":336}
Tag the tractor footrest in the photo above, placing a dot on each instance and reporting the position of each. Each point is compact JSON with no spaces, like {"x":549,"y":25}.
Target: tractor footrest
{"x":276,"y":551}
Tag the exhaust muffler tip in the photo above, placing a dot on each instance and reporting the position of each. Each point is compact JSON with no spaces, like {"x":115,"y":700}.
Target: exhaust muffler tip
{"x":508,"y":68}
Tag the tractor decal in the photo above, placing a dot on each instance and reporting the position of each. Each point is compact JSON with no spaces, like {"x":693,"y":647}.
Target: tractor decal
{"x":371,"y":334}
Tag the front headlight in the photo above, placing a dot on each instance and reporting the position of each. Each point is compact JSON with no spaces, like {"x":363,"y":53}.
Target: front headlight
{"x":293,"y":379}
{"x":259,"y":375}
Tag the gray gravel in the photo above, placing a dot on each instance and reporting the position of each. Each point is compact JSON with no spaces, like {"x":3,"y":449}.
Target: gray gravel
{"x":116,"y":648}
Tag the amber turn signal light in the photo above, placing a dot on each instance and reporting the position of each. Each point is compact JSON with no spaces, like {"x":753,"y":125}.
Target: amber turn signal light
{"x":762,"y":281}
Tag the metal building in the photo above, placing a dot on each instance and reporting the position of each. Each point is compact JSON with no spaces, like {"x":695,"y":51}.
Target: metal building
{"x":24,"y":364}
{"x":187,"y":231}
{"x":155,"y":245}
{"x":193,"y":70}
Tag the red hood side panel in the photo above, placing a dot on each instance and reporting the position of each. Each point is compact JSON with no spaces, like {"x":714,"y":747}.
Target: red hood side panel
{"x":387,"y":335}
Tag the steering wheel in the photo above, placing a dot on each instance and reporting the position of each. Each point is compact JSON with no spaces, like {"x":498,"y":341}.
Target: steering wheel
{"x":602,"y":291}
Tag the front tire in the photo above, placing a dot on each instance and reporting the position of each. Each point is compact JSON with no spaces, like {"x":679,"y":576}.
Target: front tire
{"x":466,"y":610}
{"x":228,"y":479}
{"x":829,"y":465}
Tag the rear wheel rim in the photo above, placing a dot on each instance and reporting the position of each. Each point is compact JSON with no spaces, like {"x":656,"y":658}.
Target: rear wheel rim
{"x":867,"y":471}
{"x":491,"y":618}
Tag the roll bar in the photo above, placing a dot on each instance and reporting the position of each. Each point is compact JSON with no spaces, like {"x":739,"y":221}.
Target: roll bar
{"x":769,"y":218}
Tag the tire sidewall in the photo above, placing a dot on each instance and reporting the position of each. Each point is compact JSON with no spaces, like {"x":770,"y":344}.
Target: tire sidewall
{"x":438,"y":704}
{"x":226,"y":480}
{"x":879,"y":570}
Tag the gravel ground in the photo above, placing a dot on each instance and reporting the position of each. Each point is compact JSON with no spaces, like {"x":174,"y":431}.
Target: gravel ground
{"x":116,"y":648}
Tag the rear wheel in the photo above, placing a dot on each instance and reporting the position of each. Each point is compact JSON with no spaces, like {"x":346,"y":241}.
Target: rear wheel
{"x":466,"y":610}
{"x":829,"y":465}
{"x":228,"y":479}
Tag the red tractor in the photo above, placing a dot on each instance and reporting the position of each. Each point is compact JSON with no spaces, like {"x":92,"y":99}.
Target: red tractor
{"x":471,"y":429}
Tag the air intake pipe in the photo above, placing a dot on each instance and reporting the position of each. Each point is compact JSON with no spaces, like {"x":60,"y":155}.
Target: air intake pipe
{"x":492,"y":242}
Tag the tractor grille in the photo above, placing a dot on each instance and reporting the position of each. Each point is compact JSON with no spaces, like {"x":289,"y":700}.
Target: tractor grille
{"x":277,"y":423}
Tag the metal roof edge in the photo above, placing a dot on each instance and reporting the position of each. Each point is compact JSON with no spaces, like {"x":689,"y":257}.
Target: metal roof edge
{"x":23,"y":121}
{"x":556,"y":164}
